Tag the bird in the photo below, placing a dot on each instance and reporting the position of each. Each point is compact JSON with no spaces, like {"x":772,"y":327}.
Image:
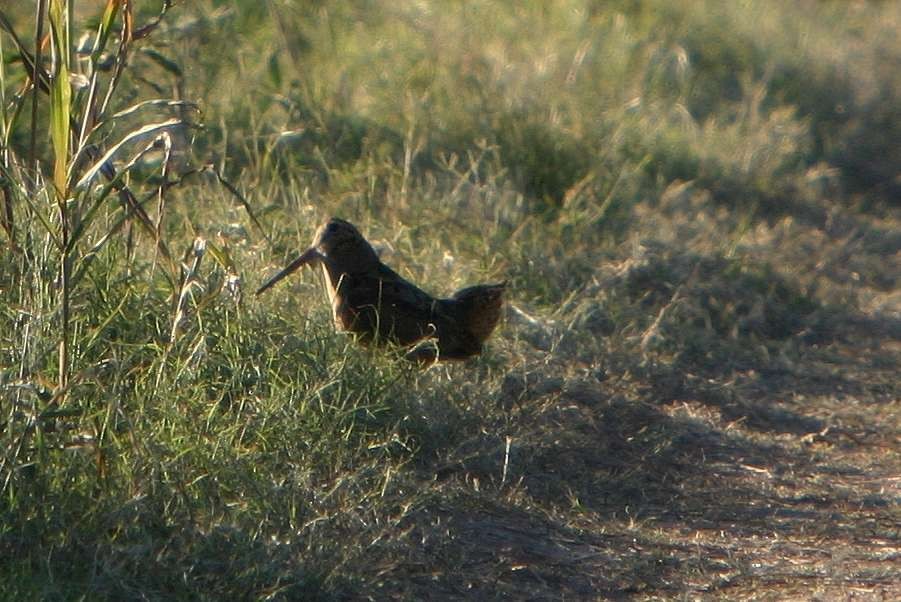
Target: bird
{"x":378,"y":306}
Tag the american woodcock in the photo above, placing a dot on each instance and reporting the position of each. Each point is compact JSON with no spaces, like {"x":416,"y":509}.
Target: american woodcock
{"x":372,"y":301}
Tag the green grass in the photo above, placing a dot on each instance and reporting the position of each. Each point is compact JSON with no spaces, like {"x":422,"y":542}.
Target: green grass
{"x":694,"y":391}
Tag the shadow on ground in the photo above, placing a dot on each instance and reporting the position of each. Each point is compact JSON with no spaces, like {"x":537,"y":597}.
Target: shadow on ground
{"x":668,"y":470}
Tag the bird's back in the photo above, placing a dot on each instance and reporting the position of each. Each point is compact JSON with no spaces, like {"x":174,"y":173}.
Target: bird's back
{"x":380,"y":303}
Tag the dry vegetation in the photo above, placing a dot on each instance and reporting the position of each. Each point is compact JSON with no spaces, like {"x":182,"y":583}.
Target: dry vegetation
{"x":695,"y":390}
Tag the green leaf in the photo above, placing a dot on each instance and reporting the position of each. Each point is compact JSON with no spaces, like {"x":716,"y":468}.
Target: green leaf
{"x":60,"y":96}
{"x":106,"y":25}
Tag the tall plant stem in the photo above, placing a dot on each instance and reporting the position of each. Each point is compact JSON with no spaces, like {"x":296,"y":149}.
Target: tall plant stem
{"x":60,"y":104}
{"x":38,"y":36}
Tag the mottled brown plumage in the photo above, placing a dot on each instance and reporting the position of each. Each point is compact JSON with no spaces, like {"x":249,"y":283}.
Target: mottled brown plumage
{"x":372,"y":301}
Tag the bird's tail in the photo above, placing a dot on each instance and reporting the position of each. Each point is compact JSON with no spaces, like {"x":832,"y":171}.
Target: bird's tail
{"x":478,"y":308}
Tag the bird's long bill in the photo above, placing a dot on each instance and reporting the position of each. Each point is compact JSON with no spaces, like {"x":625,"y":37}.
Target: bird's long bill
{"x":308,"y":256}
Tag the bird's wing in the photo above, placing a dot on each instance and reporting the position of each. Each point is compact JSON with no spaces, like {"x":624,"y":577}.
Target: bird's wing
{"x":389,"y":305}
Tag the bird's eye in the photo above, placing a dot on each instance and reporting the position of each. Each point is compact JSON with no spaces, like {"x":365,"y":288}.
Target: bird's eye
{"x":332,"y":228}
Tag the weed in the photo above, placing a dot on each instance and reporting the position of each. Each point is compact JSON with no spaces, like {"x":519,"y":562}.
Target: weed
{"x":694,"y":390}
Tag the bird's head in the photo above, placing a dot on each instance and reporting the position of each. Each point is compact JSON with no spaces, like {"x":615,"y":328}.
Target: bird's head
{"x":339,"y":245}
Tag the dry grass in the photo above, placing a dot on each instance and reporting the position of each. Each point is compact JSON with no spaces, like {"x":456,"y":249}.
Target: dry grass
{"x":769,"y":470}
{"x":694,"y":394}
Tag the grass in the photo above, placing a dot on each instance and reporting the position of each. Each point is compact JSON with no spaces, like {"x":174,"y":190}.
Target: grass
{"x":694,"y":391}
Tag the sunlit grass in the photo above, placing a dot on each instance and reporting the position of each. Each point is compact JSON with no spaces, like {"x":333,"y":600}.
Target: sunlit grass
{"x":694,"y":204}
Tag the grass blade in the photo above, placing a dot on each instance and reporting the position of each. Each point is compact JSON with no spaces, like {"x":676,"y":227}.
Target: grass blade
{"x":103,"y":31}
{"x":38,"y":36}
{"x":31,"y":65}
{"x":134,"y":136}
{"x":60,"y":97}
